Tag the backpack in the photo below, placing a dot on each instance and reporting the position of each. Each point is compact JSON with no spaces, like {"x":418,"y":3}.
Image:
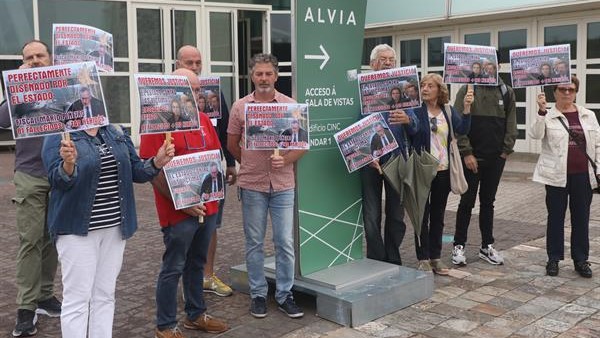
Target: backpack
{"x":505,"y":96}
{"x":506,"y":100}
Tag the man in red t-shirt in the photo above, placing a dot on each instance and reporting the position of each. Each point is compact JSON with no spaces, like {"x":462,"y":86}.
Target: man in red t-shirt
{"x":186,"y":239}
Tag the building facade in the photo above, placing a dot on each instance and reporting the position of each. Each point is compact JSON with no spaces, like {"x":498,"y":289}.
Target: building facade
{"x":418,"y":32}
{"x":147,"y":34}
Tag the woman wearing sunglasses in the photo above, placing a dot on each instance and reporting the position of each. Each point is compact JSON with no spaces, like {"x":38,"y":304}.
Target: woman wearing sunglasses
{"x":434,"y":137}
{"x":570,"y":152}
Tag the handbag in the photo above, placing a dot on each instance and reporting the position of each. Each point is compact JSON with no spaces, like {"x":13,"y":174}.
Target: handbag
{"x":458,"y":182}
{"x":582,"y":148}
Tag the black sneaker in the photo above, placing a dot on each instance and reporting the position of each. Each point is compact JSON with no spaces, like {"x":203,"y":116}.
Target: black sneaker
{"x":25,"y":327}
{"x":290,"y":308}
{"x":583,"y":268}
{"x":552,"y":268}
{"x":258,"y":307}
{"x":49,"y":307}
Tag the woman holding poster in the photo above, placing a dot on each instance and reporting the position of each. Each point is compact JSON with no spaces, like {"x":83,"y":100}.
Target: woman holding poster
{"x":91,"y":214}
{"x":567,"y":165}
{"x":434,"y":137}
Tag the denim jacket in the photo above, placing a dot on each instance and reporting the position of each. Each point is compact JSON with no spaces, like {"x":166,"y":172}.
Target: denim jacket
{"x":72,"y":197}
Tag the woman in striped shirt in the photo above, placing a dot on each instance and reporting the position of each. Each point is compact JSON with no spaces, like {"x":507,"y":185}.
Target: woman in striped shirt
{"x":91,"y":214}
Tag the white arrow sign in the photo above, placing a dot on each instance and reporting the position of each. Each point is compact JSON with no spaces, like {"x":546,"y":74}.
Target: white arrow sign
{"x":324,"y":57}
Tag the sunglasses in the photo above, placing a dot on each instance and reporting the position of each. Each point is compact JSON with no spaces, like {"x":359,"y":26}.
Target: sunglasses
{"x":566,"y":90}
{"x":433,"y":122}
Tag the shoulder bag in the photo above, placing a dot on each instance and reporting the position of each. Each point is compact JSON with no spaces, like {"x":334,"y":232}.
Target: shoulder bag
{"x":458,"y":183}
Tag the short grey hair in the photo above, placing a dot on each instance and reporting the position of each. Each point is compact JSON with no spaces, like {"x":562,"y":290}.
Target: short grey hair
{"x":380,"y":49}
{"x":264,"y":58}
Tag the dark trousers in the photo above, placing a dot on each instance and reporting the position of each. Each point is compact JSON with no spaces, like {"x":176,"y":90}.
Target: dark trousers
{"x":578,"y":194}
{"x":433,"y":220}
{"x":385,"y":249}
{"x":487,"y":179}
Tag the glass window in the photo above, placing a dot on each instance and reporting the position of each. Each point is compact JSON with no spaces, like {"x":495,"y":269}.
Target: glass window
{"x":592,"y":88}
{"x":278,"y":5}
{"x":284,"y":85}
{"x":435,"y":51}
{"x":520,"y":93}
{"x":149,"y":32}
{"x":220,"y":37}
{"x":521,"y":134}
{"x":593,"y":40}
{"x":116,"y":95}
{"x":521,"y":117}
{"x":410,"y":53}
{"x":481,"y":39}
{"x":370,"y":43}
{"x":227,"y":89}
{"x":16,"y":25}
{"x":150,"y":68}
{"x":513,"y":39}
{"x":7,"y":65}
{"x":559,"y":35}
{"x":110,"y":16}
{"x":281,"y":36}
{"x":184,"y":30}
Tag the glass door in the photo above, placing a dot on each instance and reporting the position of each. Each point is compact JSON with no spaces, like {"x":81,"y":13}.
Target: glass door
{"x":159,"y":30}
{"x":234,"y":35}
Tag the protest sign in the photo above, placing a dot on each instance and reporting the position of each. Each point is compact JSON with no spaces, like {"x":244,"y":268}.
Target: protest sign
{"x":51,"y":100}
{"x":209,"y":100}
{"x":80,"y":43}
{"x":470,"y":64}
{"x":166,"y":104}
{"x":364,"y":141}
{"x":276,"y":126}
{"x":389,"y":89}
{"x":538,"y":66}
{"x":195,"y":178}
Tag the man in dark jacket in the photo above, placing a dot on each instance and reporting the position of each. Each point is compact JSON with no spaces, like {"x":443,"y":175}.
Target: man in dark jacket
{"x":484,"y":149}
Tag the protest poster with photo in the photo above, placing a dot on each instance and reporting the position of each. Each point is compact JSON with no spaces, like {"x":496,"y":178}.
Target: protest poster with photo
{"x":539,"y":66}
{"x":51,"y":100}
{"x":166,"y":104}
{"x":364,"y":141}
{"x":195,"y":178}
{"x":209,"y":100}
{"x":473,"y":64}
{"x":389,"y":89}
{"x":276,"y":126}
{"x":73,"y":43}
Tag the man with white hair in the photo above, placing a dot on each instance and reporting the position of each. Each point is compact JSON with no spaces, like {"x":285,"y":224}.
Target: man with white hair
{"x":402,"y":123}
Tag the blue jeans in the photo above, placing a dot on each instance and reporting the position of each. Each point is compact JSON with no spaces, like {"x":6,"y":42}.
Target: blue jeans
{"x":255,"y":205}
{"x":186,"y":246}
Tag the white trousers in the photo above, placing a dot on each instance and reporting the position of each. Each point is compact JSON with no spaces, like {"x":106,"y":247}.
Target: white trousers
{"x":90,"y":266}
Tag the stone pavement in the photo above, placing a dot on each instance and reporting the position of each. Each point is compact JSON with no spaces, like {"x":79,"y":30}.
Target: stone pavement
{"x":479,"y":300}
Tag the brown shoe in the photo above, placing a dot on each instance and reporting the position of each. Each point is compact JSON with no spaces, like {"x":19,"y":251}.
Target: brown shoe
{"x":439,"y":268}
{"x":168,"y":333}
{"x":206,"y":323}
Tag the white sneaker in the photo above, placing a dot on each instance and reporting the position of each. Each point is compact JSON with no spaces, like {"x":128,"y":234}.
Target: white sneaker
{"x":490,"y":255}
{"x":458,"y":255}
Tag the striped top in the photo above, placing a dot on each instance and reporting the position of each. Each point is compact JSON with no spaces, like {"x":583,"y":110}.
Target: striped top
{"x":106,"y":210}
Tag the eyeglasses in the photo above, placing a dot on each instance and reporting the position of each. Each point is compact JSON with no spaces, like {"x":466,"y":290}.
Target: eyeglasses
{"x":433,"y":122}
{"x":566,"y":90}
